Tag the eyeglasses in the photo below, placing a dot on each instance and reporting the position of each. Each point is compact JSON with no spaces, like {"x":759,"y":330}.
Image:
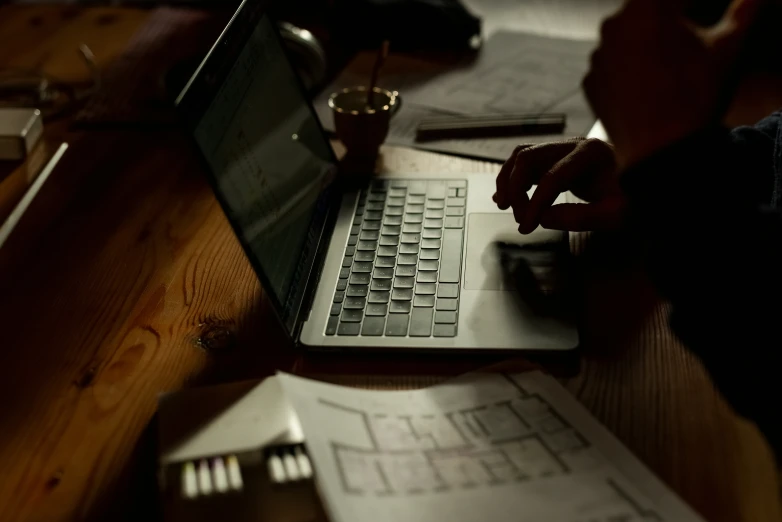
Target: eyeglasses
{"x":52,"y":96}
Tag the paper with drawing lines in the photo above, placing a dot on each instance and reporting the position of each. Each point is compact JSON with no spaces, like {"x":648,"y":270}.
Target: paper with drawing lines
{"x":483,"y":447}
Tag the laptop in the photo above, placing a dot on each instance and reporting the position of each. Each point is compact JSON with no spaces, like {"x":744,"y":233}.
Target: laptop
{"x":407,"y":262}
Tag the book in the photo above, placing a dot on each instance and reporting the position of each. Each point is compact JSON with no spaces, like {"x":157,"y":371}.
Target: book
{"x":480,"y":447}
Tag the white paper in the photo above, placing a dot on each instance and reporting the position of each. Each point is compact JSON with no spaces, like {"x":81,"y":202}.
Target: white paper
{"x":514,"y":73}
{"x":485,"y":447}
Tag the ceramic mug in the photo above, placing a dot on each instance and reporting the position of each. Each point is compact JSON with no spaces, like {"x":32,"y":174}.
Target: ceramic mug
{"x":360,"y":127}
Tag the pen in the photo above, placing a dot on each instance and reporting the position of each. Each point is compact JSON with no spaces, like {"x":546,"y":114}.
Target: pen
{"x":489,"y":126}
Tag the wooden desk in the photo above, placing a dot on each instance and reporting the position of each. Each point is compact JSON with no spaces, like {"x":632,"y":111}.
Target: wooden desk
{"x":124,"y":280}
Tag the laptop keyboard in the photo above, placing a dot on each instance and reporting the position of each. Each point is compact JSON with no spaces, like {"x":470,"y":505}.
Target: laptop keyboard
{"x":401,"y":270}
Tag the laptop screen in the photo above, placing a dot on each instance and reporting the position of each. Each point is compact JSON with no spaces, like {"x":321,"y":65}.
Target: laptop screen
{"x":270,"y":161}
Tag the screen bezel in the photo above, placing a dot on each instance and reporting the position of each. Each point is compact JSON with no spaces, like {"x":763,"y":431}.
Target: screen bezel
{"x":192,"y":104}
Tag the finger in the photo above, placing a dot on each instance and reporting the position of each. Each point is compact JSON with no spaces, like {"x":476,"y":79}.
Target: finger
{"x":531,"y":164}
{"x":728,"y":34}
{"x":500,"y":197}
{"x":559,"y":179}
{"x":608,"y":214}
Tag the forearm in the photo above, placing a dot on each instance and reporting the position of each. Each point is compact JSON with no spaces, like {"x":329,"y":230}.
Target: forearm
{"x":715,"y":251}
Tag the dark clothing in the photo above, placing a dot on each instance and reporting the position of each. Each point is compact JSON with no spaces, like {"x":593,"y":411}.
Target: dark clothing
{"x":709,"y":206}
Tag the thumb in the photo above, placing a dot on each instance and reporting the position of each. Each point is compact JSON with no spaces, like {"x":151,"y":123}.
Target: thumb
{"x":727,"y":36}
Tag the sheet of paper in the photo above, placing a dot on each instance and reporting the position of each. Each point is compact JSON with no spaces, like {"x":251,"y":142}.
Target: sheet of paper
{"x":482,"y":447}
{"x":513,"y":73}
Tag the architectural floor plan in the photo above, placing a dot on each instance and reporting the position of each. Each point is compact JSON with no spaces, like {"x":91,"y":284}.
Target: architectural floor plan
{"x":501,"y":443}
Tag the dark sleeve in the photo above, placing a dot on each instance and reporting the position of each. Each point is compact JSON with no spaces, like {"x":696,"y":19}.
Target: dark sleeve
{"x":708,"y":206}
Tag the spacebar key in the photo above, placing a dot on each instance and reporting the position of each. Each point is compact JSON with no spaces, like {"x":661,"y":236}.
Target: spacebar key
{"x":451,"y":256}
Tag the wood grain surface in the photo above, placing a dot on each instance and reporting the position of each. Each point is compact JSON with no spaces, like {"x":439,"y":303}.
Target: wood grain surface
{"x":125,"y":281}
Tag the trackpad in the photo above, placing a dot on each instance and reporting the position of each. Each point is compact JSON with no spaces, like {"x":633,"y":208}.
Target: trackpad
{"x":484,"y":270}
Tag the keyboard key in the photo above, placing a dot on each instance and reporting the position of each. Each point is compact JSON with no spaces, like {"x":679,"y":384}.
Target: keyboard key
{"x":339,"y":296}
{"x":405,"y":270}
{"x":380,"y":285}
{"x":449,"y":290}
{"x":452,"y":256}
{"x":425,"y":288}
{"x":393,"y":220}
{"x":371,"y":225}
{"x":415,"y":199}
{"x":355,"y":229}
{"x":391,"y":230}
{"x":414,"y":218}
{"x":400,"y":307}
{"x":395,"y":201}
{"x":389,"y":240}
{"x":376,"y":196}
{"x":373,"y":326}
{"x":375,"y":205}
{"x":357,"y":291}
{"x":414,"y":209}
{"x":444,"y":330}
{"x":416,"y":187}
{"x":455,"y":202}
{"x":344,"y":273}
{"x":395,"y":211}
{"x":361,"y":267}
{"x":354,"y":303}
{"x":402,"y":294}
{"x":331,"y":326}
{"x":445,"y":317}
{"x":424,"y":300}
{"x":448,"y":305}
{"x":357,"y":220}
{"x":411,"y":228}
{"x":352,"y":316}
{"x":434,"y":213}
{"x":452,"y":192}
{"x":454,"y":222}
{"x":366,"y":245}
{"x":430,"y":253}
{"x":359,"y":279}
{"x":387,"y":251}
{"x":435,"y":203}
{"x":380,"y":185}
{"x":352,"y":240}
{"x":383,"y":273}
{"x":385,"y":261}
{"x":379,"y":296}
{"x":396,"y":325}
{"x":461,"y":192}
{"x":347,"y":261}
{"x":433,"y":223}
{"x":348,"y":328}
{"x":336,"y":308}
{"x":457,"y":183}
{"x":364,"y":256}
{"x":454,"y":211}
{"x":431,"y":243}
{"x":427,"y":277}
{"x":421,"y":322}
{"x":342,"y":284}
{"x":398,"y":183}
{"x":373,"y":215}
{"x":428,"y":264}
{"x":406,"y":248}
{"x":432,"y":233}
{"x":436,"y":190}
{"x":411,"y":238}
{"x":407,"y":259}
{"x":381,"y":309}
{"x":369,"y":235}
{"x":349,"y":251}
{"x":397,"y":192}
{"x":404,"y":282}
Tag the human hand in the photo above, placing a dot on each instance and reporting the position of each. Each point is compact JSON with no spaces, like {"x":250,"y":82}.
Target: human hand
{"x":586,"y":167}
{"x":657,"y":78}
